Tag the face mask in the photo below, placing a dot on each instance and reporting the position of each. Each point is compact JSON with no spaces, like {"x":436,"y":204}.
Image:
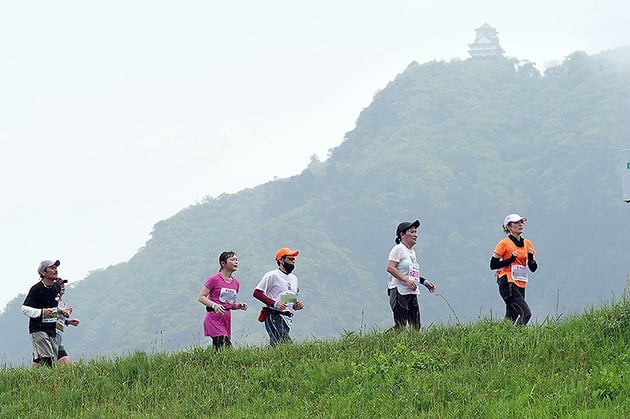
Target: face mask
{"x":288,"y":267}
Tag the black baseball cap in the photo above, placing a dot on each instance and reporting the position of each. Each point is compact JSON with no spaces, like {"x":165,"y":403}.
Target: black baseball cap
{"x":406,"y":225}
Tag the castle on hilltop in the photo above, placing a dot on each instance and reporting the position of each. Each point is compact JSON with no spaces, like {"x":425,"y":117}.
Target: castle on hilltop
{"x":486,"y":43}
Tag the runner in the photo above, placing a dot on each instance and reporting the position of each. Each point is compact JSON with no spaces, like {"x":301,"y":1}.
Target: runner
{"x":511,"y":258}
{"x":218,"y":294}
{"x":40,"y":306}
{"x":63,"y":319}
{"x":278,"y":289}
{"x":404,"y":277}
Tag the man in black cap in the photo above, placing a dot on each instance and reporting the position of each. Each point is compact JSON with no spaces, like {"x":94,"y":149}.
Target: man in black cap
{"x":62,"y":321}
{"x":40,"y":306}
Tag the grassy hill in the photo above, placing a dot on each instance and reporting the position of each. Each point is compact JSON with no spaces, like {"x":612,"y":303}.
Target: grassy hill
{"x":573,"y":367}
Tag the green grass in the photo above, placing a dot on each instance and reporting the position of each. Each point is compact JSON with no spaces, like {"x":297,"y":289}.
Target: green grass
{"x":578,"y":367}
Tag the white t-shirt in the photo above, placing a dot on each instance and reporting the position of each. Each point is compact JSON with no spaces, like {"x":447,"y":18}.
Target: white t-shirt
{"x":407,"y":264}
{"x":279,"y":286}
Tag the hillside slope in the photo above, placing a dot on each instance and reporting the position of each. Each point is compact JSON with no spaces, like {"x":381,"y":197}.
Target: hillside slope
{"x":576,"y":367}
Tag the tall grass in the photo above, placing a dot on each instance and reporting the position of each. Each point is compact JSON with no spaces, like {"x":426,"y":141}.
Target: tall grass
{"x":577,"y":367}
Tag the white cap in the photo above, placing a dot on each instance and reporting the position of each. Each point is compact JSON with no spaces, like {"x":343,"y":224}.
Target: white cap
{"x":511,"y":218}
{"x":45,"y":264}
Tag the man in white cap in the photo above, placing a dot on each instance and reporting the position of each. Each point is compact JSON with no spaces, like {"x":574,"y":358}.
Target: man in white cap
{"x":40,"y":306}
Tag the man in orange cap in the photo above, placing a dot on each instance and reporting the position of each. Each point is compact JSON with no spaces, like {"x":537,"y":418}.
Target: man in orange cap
{"x":278,"y":289}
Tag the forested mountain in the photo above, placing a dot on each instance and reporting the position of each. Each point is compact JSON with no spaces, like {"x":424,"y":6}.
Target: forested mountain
{"x":456,"y":144}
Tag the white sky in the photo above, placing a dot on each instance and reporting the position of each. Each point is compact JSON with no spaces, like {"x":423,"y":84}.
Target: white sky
{"x":116,"y":115}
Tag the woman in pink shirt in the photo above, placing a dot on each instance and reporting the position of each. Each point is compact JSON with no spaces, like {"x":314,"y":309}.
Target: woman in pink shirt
{"x":218,"y":294}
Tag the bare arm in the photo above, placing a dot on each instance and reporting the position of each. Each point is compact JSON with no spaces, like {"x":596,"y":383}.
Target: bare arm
{"x":392,"y":269}
{"x":203,"y":299}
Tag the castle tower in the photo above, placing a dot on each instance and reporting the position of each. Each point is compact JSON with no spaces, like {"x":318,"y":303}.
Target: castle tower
{"x":486,"y":43}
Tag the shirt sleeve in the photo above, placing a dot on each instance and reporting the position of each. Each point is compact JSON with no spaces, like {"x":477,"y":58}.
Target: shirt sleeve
{"x":262,"y":285}
{"x":500,"y":249}
{"x":530,"y":244}
{"x":31,"y":312}
{"x":394,"y":254}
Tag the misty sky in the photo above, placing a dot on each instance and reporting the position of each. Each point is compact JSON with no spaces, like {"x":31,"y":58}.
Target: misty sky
{"x":116,"y":115}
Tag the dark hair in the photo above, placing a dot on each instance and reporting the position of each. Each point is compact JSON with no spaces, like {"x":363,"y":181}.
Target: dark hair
{"x":404,"y":227}
{"x":224,"y":257}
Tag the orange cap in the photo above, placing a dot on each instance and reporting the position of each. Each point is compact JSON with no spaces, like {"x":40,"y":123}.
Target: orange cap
{"x":285,"y":251}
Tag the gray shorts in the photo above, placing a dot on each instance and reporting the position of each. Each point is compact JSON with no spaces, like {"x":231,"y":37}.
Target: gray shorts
{"x":44,"y":346}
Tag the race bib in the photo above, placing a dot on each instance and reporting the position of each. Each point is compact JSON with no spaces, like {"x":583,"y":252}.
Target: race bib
{"x":519,"y":273}
{"x":288,"y":298}
{"x":52,"y":318}
{"x":414,"y":272}
{"x":227,"y":295}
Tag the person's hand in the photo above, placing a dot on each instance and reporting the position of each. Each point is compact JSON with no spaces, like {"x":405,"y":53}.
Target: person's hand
{"x":73,"y":322}
{"x":281,"y":305}
{"x":240,"y":306}
{"x":218,"y":308}
{"x":515,"y":253}
{"x":67,"y":312}
{"x":412,"y":284}
{"x":530,"y":251}
{"x":298,"y":305}
{"x":430,"y":285}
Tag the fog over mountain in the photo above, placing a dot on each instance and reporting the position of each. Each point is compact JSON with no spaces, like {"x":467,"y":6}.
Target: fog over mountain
{"x":458,"y":144}
{"x":117,"y":115}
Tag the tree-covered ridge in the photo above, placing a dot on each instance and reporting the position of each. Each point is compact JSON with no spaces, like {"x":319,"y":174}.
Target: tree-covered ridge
{"x":457,"y":144}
